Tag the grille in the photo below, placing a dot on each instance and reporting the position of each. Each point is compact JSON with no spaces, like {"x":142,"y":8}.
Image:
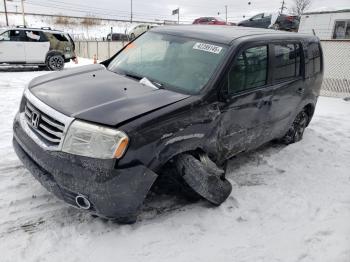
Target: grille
{"x":49,"y":129}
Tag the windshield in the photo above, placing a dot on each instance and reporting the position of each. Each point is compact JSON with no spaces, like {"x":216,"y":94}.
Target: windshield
{"x":178,"y":63}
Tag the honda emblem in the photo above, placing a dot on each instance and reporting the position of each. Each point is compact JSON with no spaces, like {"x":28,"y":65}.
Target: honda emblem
{"x":34,"y":120}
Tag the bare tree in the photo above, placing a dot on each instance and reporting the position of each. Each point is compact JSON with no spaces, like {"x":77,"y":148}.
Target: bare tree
{"x":300,"y":6}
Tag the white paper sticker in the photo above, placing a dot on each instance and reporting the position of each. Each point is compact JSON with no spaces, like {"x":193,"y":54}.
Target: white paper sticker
{"x":208,"y":48}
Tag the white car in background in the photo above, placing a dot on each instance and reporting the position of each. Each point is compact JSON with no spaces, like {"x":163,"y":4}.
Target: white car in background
{"x":139,"y":30}
{"x":33,"y":46}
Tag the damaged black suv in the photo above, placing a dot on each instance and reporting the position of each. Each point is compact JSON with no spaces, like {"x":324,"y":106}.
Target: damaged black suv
{"x":178,"y":100}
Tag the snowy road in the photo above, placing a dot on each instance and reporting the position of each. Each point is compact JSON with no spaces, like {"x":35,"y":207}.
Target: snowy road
{"x":288,"y":204}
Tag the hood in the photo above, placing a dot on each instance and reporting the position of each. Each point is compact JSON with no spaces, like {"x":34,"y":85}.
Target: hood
{"x":93,"y":93}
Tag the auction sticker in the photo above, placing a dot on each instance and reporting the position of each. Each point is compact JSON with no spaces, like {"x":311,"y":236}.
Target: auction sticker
{"x":208,"y":48}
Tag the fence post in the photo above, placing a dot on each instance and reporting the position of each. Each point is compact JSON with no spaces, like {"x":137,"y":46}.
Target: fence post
{"x":109,"y":49}
{"x":97,"y":55}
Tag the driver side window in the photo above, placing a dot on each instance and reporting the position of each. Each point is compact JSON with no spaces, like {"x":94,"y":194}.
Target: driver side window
{"x":249,"y":71}
{"x":5,"y":36}
{"x":258,"y":17}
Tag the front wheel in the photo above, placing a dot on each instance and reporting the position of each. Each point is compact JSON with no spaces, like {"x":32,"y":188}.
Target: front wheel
{"x":55,"y":62}
{"x":276,"y":27}
{"x":296,"y":131}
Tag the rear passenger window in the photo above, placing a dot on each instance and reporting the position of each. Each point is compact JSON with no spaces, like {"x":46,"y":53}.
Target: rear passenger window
{"x":249,"y":71}
{"x":314,"y":54}
{"x":287,"y":61}
{"x":33,"y":36}
{"x":61,"y":37}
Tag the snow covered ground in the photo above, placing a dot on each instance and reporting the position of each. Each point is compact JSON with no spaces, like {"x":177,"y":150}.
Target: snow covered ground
{"x":288,"y":204}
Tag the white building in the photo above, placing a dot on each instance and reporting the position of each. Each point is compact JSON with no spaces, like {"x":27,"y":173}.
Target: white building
{"x":327,"y":25}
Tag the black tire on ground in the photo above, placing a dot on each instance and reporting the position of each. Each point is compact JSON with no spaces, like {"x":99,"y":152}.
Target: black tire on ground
{"x":276,"y":27}
{"x":132,"y":36}
{"x":213,"y":187}
{"x":296,"y":131}
{"x":55,"y":62}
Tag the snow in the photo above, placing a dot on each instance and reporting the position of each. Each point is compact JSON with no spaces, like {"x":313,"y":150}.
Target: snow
{"x":287,"y":204}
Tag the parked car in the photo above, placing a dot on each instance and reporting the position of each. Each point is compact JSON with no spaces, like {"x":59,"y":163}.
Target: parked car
{"x":33,"y":46}
{"x":210,"y":21}
{"x":263,"y":20}
{"x":99,"y":136}
{"x":117,"y":37}
{"x":139,"y":30}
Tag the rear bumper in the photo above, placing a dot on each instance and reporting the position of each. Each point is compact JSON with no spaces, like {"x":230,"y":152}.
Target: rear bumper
{"x":113,"y":193}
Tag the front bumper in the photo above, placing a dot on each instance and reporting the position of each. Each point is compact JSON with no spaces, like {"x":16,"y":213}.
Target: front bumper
{"x":113,"y":193}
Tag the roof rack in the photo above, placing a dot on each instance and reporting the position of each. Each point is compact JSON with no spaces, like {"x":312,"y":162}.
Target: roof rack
{"x":46,"y":28}
{"x":21,"y":26}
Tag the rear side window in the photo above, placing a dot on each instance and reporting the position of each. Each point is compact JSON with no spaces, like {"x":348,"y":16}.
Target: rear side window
{"x":33,"y":36}
{"x":314,"y":54}
{"x":249,"y":71}
{"x":287,"y":61}
{"x":61,"y":37}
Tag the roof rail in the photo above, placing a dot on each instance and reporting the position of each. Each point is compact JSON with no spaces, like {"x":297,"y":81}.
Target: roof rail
{"x":46,"y":28}
{"x":21,"y":26}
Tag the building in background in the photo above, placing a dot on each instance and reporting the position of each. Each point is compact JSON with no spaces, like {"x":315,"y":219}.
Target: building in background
{"x":327,"y":25}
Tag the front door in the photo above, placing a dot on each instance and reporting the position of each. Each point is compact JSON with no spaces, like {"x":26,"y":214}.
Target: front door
{"x":12,"y":47}
{"x":246,"y":112}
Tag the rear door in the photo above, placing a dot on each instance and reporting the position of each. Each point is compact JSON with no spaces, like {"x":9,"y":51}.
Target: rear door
{"x":289,"y":85}
{"x":36,"y":46}
{"x":245,"y":114}
{"x":12,"y":47}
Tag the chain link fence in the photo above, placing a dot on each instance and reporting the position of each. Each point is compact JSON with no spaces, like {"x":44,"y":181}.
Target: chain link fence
{"x":101,"y":49}
{"x":336,"y":81}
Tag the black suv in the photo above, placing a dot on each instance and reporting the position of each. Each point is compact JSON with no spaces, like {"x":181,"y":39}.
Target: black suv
{"x":283,"y":22}
{"x":177,"y":102}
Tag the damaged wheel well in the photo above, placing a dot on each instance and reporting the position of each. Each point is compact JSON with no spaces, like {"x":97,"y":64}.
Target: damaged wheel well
{"x":310,"y":110}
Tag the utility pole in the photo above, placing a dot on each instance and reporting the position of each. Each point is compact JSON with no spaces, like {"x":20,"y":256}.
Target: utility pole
{"x":226,"y":12}
{"x":24,"y":19}
{"x":283,"y":6}
{"x":178,"y":16}
{"x":131,"y":12}
{"x":7,"y":19}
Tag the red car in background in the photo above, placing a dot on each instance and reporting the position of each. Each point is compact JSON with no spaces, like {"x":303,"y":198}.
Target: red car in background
{"x":210,"y":21}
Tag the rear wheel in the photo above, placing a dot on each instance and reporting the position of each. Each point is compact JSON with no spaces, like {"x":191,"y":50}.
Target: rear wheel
{"x":276,"y":27}
{"x":296,"y":131}
{"x":132,"y":36}
{"x":55,"y":62}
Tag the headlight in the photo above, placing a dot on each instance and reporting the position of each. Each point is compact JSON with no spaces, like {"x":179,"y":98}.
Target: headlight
{"x":95,"y":141}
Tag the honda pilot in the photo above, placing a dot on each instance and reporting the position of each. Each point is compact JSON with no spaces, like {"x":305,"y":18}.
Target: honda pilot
{"x":176,"y":102}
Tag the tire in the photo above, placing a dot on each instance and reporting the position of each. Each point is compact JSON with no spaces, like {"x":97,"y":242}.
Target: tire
{"x":132,"y":36}
{"x":55,"y":62}
{"x":201,"y":181}
{"x":276,"y":27}
{"x":296,"y":131}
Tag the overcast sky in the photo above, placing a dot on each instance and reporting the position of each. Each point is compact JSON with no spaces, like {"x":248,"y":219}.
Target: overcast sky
{"x":161,"y":9}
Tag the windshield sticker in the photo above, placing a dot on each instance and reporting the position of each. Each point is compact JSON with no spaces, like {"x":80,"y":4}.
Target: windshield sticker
{"x":208,"y":48}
